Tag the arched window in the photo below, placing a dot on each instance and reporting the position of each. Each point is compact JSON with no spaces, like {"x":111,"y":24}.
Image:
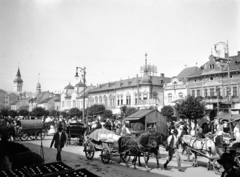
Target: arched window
{"x":180,"y":95}
{"x":169,"y":98}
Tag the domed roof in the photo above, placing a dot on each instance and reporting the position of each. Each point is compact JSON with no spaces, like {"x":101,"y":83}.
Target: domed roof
{"x":18,"y":79}
{"x":38,"y":85}
{"x":69,"y":86}
{"x":146,"y":79}
{"x":80,"y":84}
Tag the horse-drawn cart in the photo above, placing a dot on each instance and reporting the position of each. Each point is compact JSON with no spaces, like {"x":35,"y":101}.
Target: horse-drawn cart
{"x":76,"y":130}
{"x":102,"y":140}
{"x":32,"y":129}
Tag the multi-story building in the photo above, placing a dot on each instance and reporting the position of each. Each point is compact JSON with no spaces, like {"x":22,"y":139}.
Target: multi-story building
{"x":177,"y":87}
{"x":139,"y":92}
{"x":211,"y":81}
{"x":73,"y":97}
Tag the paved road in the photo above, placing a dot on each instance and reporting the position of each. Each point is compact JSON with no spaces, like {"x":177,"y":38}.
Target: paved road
{"x":74,"y":156}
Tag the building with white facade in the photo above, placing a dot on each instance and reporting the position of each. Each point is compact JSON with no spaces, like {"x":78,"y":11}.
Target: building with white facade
{"x":139,"y":92}
{"x":73,"y":97}
{"x":177,"y":87}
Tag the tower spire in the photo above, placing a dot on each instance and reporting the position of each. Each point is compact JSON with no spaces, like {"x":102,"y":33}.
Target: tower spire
{"x":146,"y":68}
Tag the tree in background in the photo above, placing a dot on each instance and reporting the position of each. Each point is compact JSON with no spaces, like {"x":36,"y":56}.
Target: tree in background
{"x":4,"y":112}
{"x":168,"y":112}
{"x":74,"y":112}
{"x":54,"y":113}
{"x":38,"y":112}
{"x":23,"y":112}
{"x":123,"y":111}
{"x":96,"y":109}
{"x":12,"y":113}
{"x":130,"y":111}
{"x":191,"y":108}
{"x":64,"y":114}
{"x":107,"y":114}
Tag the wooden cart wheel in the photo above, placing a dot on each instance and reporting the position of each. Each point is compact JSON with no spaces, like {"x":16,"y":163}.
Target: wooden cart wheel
{"x":105,"y":155}
{"x":218,"y":168}
{"x":24,"y":136}
{"x":89,"y":150}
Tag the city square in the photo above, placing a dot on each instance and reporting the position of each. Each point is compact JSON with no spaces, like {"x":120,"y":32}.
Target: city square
{"x":119,"y":88}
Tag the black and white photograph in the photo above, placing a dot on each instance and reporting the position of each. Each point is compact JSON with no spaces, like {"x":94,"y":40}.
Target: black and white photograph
{"x":119,"y":88}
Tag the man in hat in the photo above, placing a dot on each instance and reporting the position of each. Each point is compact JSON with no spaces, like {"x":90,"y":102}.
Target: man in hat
{"x":125,"y":130}
{"x":228,"y":163}
{"x":172,"y":142}
{"x":59,"y":140}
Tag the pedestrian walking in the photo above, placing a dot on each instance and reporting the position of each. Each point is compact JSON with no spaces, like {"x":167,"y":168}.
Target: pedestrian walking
{"x":59,"y":140}
{"x":172,"y":143}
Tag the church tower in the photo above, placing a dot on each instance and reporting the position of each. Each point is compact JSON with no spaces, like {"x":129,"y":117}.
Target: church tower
{"x":18,"y":82}
{"x":38,"y":87}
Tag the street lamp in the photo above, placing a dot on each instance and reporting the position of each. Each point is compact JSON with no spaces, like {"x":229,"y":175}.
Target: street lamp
{"x":83,"y":70}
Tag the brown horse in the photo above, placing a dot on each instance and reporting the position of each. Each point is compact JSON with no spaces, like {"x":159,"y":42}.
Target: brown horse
{"x":146,"y":145}
{"x":205,"y":147}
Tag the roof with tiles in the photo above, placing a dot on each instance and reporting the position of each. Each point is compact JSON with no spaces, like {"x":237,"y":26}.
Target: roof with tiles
{"x":186,"y":72}
{"x":155,"y":80}
{"x":234,"y":65}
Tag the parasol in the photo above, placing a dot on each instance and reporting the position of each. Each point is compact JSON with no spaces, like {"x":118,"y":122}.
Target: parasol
{"x":104,"y":135}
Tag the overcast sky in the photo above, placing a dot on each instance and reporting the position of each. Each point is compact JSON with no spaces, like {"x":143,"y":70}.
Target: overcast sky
{"x":109,"y":38}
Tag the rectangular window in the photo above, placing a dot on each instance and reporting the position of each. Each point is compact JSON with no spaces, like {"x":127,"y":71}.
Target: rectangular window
{"x":118,"y":102}
{"x":127,"y":100}
{"x":121,"y":101}
{"x":212,"y":92}
{"x":63,"y":104}
{"x":205,"y":93}
{"x":198,"y":93}
{"x":135,"y":100}
{"x":193,"y":93}
{"x":74,"y":103}
{"x":235,"y":91}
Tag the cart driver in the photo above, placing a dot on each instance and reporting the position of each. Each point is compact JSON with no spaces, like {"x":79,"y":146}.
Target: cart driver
{"x":125,"y":129}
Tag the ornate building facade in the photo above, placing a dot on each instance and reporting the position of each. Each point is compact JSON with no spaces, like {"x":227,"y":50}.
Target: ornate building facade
{"x":139,"y":92}
{"x":177,"y":87}
{"x":211,"y":81}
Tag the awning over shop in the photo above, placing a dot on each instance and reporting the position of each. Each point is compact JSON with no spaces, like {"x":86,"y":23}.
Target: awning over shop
{"x":138,"y":115}
{"x":116,"y":111}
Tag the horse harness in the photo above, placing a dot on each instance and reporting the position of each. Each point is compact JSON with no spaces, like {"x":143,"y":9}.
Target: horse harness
{"x":194,"y":140}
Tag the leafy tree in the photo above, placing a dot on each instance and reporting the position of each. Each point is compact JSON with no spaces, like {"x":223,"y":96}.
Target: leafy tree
{"x":107,"y":114}
{"x":64,"y":113}
{"x":38,"y":112}
{"x":46,"y":113}
{"x":54,"y":113}
{"x":23,"y":112}
{"x":4,"y":112}
{"x":123,"y":111}
{"x":12,"y":113}
{"x":130,"y":111}
{"x":74,"y":112}
{"x":191,"y":108}
{"x":167,"y":111}
{"x":96,"y":109}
